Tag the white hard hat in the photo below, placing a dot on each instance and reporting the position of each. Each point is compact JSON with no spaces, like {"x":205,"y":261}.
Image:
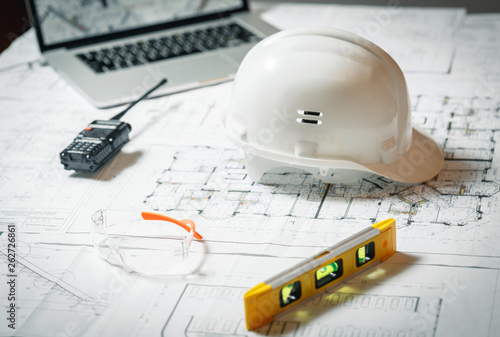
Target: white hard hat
{"x":328,"y":102}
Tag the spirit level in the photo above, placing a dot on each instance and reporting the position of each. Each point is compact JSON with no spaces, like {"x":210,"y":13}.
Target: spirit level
{"x":330,"y":267}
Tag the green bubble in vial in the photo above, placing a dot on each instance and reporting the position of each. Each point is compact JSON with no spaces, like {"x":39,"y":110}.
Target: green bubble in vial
{"x":361,"y":255}
{"x":326,"y":270}
{"x":285,"y":292}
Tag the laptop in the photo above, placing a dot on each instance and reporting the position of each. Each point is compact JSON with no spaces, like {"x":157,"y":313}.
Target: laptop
{"x":113,"y":51}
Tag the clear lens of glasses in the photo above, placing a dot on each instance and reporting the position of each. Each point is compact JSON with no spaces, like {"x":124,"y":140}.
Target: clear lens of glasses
{"x":144,"y":246}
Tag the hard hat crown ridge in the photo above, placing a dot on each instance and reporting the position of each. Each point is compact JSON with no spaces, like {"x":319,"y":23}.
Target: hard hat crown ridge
{"x":328,"y":102}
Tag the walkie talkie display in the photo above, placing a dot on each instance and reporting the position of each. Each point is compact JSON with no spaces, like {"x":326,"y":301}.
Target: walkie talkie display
{"x":100,"y":141}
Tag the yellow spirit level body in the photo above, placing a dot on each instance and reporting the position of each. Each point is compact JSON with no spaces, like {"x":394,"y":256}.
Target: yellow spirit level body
{"x":328,"y":268}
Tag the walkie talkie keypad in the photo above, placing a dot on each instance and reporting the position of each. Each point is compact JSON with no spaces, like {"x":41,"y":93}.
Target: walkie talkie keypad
{"x":95,"y":145}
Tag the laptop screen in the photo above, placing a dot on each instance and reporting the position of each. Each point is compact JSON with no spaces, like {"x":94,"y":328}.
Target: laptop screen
{"x":70,"y":20}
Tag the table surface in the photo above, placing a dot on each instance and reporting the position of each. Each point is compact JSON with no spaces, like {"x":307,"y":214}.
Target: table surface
{"x":443,"y":281}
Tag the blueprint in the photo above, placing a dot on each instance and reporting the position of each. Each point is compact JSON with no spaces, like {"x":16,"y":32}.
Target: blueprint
{"x":443,"y":281}
{"x":76,"y":19}
{"x":419,"y":39}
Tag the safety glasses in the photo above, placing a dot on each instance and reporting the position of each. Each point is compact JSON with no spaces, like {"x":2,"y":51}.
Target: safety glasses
{"x":149,"y":244}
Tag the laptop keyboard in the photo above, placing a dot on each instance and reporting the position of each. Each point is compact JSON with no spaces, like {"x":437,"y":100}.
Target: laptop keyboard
{"x":133,"y":54}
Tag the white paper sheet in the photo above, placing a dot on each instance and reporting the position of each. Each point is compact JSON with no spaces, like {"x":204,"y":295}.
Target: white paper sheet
{"x":419,"y":39}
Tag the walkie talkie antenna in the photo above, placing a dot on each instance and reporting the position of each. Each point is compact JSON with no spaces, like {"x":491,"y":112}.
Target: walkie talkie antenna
{"x":120,"y":115}
{"x":99,"y":142}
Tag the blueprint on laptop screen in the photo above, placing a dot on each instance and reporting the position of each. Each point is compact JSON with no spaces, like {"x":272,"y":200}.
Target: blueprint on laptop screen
{"x":62,"y":21}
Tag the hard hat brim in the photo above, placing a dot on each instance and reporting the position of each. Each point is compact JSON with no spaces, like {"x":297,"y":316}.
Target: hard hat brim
{"x":423,"y":161}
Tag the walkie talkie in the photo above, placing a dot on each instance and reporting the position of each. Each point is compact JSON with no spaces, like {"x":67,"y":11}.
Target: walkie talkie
{"x":100,"y":141}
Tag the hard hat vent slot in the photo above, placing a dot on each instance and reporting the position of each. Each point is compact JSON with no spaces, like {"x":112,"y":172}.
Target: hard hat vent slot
{"x":309,"y":113}
{"x":309,"y":121}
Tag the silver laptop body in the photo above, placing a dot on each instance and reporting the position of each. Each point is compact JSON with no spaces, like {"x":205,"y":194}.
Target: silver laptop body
{"x":77,"y":36}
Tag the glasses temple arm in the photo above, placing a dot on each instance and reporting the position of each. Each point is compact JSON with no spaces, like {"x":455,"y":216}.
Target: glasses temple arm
{"x":182,"y":223}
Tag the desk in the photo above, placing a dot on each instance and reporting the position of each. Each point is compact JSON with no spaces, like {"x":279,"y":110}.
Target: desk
{"x":443,"y":281}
